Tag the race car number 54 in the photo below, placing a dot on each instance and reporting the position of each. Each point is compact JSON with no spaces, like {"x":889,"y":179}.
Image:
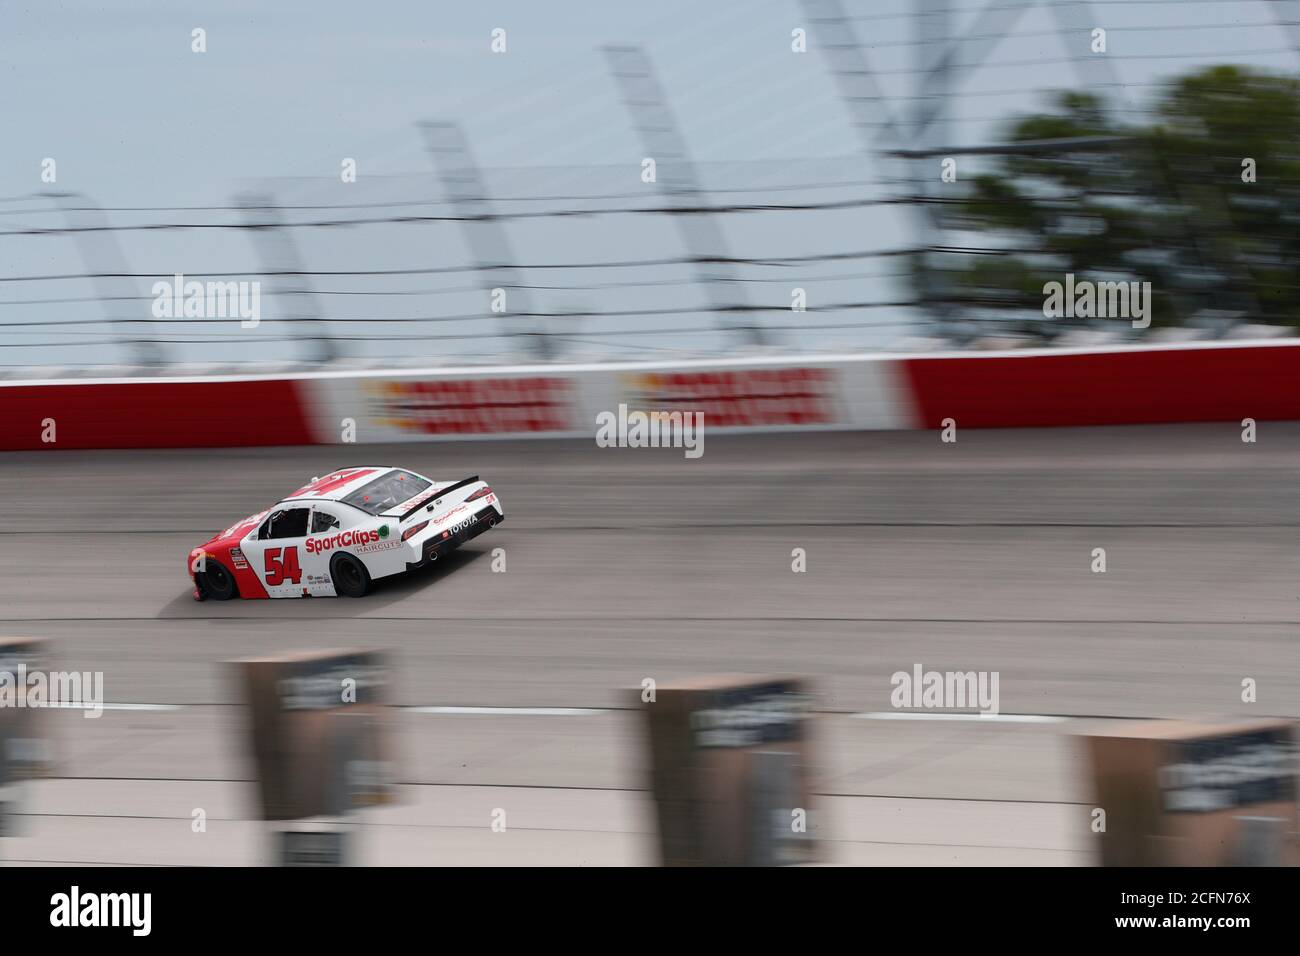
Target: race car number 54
{"x":279,"y":570}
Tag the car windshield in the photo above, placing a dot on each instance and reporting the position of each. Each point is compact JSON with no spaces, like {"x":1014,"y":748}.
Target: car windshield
{"x":387,"y":491}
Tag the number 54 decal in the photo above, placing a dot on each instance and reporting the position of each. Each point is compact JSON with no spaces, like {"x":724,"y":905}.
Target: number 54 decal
{"x":279,"y":570}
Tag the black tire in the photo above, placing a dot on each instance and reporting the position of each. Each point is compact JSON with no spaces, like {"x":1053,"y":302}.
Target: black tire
{"x":351,"y":579}
{"x":216,"y":581}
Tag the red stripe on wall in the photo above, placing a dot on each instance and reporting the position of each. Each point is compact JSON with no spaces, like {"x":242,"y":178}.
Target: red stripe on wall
{"x":1108,"y":388}
{"x":154,"y":415}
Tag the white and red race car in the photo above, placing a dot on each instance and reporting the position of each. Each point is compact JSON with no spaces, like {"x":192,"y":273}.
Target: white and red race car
{"x":337,"y":534}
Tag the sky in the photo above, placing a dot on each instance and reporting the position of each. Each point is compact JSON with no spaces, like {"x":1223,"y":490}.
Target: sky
{"x":287,"y":90}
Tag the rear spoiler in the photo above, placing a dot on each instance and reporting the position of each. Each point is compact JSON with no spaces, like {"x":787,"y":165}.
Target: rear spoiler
{"x":440,"y":492}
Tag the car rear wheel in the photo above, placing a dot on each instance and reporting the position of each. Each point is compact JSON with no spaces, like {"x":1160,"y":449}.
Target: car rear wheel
{"x":351,"y":579}
{"x":216,"y":581}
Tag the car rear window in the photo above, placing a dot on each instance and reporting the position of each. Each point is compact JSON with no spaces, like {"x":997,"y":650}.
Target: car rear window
{"x":386,"y":491}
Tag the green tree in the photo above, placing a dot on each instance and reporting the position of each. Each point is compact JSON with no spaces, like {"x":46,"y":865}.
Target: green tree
{"x":1163,"y":201}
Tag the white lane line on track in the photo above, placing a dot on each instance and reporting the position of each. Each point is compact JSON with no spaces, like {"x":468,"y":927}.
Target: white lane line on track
{"x":68,"y":705}
{"x":506,"y":711}
{"x":589,"y":711}
{"x":1002,"y":718}
{"x":513,"y":711}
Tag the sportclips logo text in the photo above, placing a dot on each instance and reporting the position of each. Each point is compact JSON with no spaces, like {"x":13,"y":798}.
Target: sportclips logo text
{"x":344,"y":539}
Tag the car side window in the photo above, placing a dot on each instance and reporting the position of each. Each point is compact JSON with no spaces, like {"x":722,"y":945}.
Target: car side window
{"x":286,"y":523}
{"x":322,"y":521}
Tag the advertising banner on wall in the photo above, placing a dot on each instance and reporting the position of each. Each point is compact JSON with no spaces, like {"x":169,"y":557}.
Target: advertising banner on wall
{"x":448,"y":405}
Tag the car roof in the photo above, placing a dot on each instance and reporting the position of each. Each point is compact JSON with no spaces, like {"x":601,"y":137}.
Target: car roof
{"x":338,"y":484}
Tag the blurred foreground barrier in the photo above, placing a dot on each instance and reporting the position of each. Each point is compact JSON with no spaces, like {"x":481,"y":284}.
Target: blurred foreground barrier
{"x":321,"y":745}
{"x":24,"y":747}
{"x":1187,"y":794}
{"x":730,"y":767}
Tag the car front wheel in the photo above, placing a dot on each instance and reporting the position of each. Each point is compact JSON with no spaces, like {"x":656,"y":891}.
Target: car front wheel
{"x":216,"y":582}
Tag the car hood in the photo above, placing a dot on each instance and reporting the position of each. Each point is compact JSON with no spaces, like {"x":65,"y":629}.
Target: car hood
{"x":237,"y":531}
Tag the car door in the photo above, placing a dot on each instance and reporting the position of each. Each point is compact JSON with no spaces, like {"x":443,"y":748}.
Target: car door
{"x":276,"y":550}
{"x":337,"y":528}
{"x":327,"y":522}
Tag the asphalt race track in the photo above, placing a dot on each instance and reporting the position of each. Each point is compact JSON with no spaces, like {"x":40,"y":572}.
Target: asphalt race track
{"x":518,"y":688}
